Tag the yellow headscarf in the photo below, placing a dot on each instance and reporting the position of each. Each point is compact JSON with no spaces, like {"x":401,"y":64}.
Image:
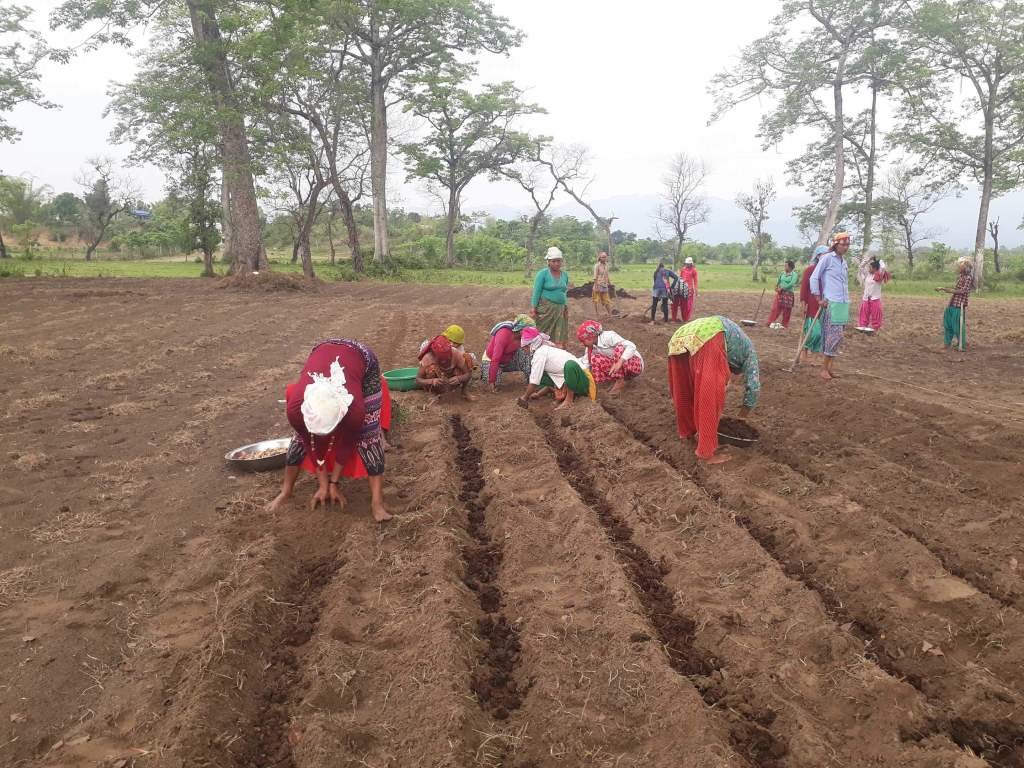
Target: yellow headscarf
{"x":455,"y":335}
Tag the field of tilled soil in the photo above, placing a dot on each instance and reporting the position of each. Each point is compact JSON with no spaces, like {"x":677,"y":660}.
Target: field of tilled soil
{"x":554,"y":591}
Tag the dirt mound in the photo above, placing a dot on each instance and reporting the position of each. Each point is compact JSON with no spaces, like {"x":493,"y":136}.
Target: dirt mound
{"x":268,"y":282}
{"x":586,"y":290}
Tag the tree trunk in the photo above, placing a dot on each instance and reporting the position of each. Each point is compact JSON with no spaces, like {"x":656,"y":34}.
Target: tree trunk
{"x":986,"y":201}
{"x":225,"y":219}
{"x":351,"y":228}
{"x":757,"y":256}
{"x":606,"y":225}
{"x":995,"y":251}
{"x":869,"y":185}
{"x":295,"y":250}
{"x":330,"y":239}
{"x":679,"y":250}
{"x":531,"y":241}
{"x":208,"y":263}
{"x":839,"y":172}
{"x":453,"y":221}
{"x":247,"y":237}
{"x":306,"y":229}
{"x":3,"y":247}
{"x":909,"y":245}
{"x":379,"y":165}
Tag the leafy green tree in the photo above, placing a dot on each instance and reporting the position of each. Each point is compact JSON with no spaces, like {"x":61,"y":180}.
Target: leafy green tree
{"x":815,"y":52}
{"x":980,"y":136}
{"x":470,"y":134}
{"x":21,"y":202}
{"x":63,"y":212}
{"x":397,"y":40}
{"x":209,"y":51}
{"x":22,"y":50}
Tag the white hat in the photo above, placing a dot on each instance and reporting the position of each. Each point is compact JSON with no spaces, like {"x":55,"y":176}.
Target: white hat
{"x":326,"y":401}
{"x":553,"y":253}
{"x":689,"y":260}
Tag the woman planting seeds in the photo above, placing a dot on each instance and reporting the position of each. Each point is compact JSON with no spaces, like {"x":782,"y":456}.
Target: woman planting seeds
{"x":554,"y":368}
{"x":702,"y":354}
{"x":505,"y":353}
{"x":609,"y":357}
{"x":338,"y":409}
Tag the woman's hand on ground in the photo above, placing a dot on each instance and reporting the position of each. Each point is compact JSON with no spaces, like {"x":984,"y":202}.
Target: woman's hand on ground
{"x":335,"y":497}
{"x":320,"y":497}
{"x":278,"y":502}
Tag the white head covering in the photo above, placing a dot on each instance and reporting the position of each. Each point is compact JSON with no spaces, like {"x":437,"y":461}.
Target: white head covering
{"x":326,"y":401}
{"x":689,"y":260}
{"x":553,"y":253}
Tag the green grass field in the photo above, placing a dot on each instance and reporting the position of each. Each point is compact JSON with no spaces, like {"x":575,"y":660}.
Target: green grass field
{"x":635,"y":278}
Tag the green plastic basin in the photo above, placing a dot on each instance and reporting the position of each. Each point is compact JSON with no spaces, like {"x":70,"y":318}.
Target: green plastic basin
{"x":401,"y":379}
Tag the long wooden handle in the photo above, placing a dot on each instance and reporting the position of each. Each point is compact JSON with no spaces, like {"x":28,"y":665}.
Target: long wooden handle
{"x":758,"y":312}
{"x":963,"y":326}
{"x":803,"y":338}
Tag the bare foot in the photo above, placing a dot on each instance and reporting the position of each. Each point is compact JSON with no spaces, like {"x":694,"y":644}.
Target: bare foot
{"x":826,"y":375}
{"x":380,"y":514}
{"x":617,"y":388}
{"x":278,"y":502}
{"x":522,"y":402}
{"x":470,"y":398}
{"x":718,"y":458}
{"x":566,"y":405}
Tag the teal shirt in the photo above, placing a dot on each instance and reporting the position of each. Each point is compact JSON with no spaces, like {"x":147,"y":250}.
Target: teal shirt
{"x":788,"y":281}
{"x":546,"y":287}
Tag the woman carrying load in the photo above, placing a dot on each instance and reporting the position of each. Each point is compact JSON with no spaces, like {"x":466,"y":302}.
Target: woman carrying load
{"x":505,"y":353}
{"x":702,"y":354}
{"x":872,"y":274}
{"x":554,"y":368}
{"x":812,"y":321}
{"x":784,"y":299}
{"x":609,"y":357}
{"x":550,"y":302}
{"x":338,"y":409}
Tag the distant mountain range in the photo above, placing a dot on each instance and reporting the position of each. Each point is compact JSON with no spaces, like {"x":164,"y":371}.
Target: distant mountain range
{"x":953,"y":219}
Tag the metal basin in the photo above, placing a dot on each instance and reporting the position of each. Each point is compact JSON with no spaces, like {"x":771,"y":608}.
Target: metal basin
{"x":242,"y":458}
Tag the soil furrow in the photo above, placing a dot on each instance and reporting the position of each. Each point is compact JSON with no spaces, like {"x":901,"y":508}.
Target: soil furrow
{"x":749,"y":731}
{"x":920,"y":632}
{"x":751,"y":616}
{"x":494,"y":681}
{"x":602,"y":693}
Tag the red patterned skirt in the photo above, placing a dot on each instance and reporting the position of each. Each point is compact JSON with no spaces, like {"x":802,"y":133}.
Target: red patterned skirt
{"x":601,"y":366}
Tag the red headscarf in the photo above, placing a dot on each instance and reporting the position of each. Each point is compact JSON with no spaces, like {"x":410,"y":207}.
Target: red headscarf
{"x":587,"y":329}
{"x":441,"y":348}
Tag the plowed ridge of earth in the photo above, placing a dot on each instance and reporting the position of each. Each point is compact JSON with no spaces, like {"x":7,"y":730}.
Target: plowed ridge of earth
{"x":553,"y":591}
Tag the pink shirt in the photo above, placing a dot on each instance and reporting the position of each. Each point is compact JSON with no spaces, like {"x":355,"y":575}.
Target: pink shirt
{"x":500,"y":351}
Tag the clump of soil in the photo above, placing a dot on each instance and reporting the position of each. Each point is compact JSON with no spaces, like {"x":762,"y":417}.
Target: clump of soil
{"x":586,"y":290}
{"x":266,"y":281}
{"x":738,"y":428}
{"x":493,"y":681}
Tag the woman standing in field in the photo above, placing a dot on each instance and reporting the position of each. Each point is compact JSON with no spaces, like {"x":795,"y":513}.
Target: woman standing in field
{"x":689,"y":276}
{"x":602,"y":286}
{"x":784,"y":298}
{"x":954,"y":325}
{"x":664,"y":283}
{"x":872,"y":275}
{"x":812,"y":322}
{"x":609,"y":357}
{"x":702,"y":354}
{"x":554,"y":368}
{"x":338,"y":409}
{"x":550,"y":302}
{"x":830,"y":283}
{"x":505,"y":353}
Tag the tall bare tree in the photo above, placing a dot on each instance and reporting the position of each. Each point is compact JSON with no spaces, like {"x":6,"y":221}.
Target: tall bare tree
{"x":755,"y":206}
{"x":683,"y":205}
{"x":576,"y":180}
{"x":907,"y":198}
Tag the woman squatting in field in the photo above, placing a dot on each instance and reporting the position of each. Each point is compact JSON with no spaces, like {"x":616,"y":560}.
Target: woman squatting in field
{"x":339,"y":409}
{"x":443,"y":368}
{"x":702,"y":355}
{"x":554,"y":368}
{"x":505,"y":352}
{"x":608,"y":356}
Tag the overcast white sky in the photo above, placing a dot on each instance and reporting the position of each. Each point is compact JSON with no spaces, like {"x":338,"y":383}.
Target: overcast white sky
{"x":627,"y":80}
